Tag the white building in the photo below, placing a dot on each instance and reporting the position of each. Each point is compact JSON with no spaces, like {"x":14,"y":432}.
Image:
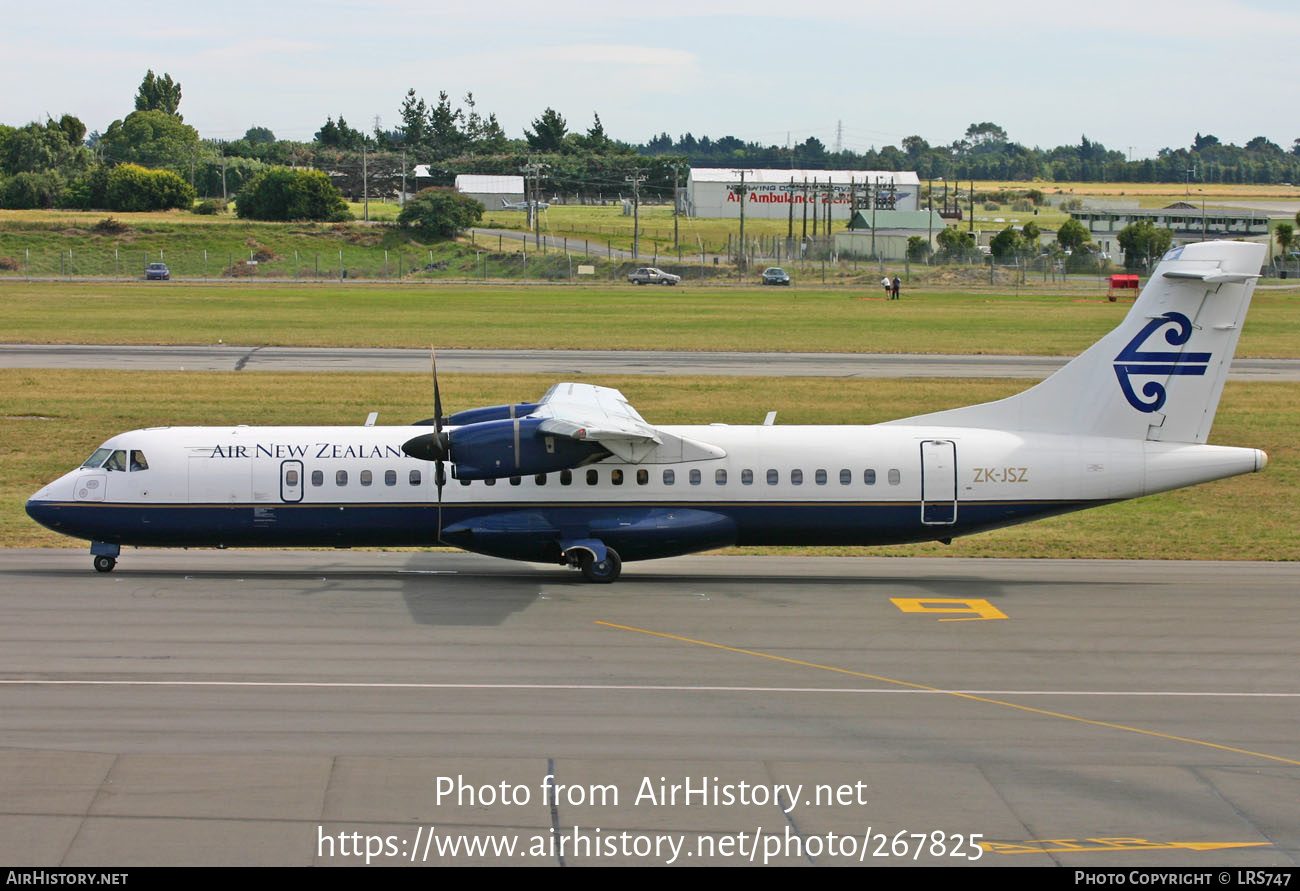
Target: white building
{"x":493,"y":192}
{"x":770,"y":194}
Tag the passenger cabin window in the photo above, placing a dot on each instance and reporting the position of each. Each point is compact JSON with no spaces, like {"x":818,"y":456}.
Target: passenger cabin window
{"x":415,"y":477}
{"x":869,"y":477}
{"x":341,"y":478}
{"x":515,"y":480}
{"x":566,"y":477}
{"x":895,"y":477}
{"x":820,"y":477}
{"x":138,"y":461}
{"x":670,"y":477}
{"x":642,"y":477}
{"x":593,"y":476}
{"x":773,"y":477}
{"x":846,"y":477}
{"x":318,"y":478}
{"x":490,"y":482}
{"x":464,"y":482}
{"x":747,"y":477}
{"x":616,"y":477}
{"x":796,"y":477}
{"x":540,"y":479}
{"x":367,"y":477}
{"x":390,"y":477}
{"x":695,"y":477}
{"x":291,"y":477}
{"x":720,"y":476}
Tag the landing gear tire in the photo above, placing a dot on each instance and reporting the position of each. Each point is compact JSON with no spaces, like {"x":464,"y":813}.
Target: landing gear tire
{"x":104,"y":564}
{"x":603,"y":572}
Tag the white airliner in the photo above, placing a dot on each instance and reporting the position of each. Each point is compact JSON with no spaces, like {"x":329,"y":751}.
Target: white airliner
{"x":580,"y":479}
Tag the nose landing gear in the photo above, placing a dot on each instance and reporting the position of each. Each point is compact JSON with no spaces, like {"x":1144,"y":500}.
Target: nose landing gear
{"x":105,"y":555}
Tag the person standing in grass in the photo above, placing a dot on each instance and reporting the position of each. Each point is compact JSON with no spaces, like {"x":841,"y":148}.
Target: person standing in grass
{"x":884,"y":282}
{"x":897,"y":283}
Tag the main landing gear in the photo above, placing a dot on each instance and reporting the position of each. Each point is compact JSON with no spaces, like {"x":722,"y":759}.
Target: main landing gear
{"x":104,"y":564}
{"x":606,"y":570}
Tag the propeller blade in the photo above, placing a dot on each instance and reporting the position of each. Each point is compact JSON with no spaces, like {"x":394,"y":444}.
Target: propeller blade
{"x":442,"y":440}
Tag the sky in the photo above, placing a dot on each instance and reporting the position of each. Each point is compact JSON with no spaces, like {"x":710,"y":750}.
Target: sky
{"x":1136,"y":75}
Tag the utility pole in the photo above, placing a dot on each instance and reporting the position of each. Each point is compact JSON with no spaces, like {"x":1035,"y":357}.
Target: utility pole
{"x":365,"y":183}
{"x":533,"y":198}
{"x":676,"y":196}
{"x":789,"y":233}
{"x":741,"y":190}
{"x":804,"y":195}
{"x":817,"y":211}
{"x":403,"y":177}
{"x":875,"y":199}
{"x":636,"y":179}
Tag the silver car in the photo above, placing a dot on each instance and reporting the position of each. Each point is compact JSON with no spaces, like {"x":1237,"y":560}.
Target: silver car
{"x":649,"y":275}
{"x":775,"y":275}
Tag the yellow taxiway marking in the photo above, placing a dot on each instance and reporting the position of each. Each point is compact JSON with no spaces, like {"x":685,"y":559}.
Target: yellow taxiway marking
{"x":981,"y":608}
{"x":1108,"y":845}
{"x":915,"y":686}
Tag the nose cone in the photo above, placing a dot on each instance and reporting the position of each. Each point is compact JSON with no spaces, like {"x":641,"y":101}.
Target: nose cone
{"x":43,"y":506}
{"x":1261,"y":460}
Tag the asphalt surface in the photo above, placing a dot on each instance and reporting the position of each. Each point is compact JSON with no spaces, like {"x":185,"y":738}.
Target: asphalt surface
{"x":224,"y":357}
{"x":199,"y":707}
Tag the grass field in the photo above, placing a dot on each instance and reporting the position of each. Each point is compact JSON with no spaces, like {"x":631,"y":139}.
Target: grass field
{"x":51,"y":420}
{"x":623,"y":317}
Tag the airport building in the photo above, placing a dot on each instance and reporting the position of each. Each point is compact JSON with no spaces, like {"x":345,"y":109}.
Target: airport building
{"x":491,"y":191}
{"x":714,"y":192}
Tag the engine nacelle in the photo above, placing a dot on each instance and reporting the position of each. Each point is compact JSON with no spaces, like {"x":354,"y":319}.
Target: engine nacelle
{"x":501,"y":448}
{"x":492,"y":413}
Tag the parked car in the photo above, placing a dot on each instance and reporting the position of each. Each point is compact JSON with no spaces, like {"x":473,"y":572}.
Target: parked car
{"x":775,"y":275}
{"x":157,"y":272}
{"x":649,"y":275}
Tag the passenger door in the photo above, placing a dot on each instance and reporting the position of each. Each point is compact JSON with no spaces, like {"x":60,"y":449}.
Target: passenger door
{"x":938,"y":482}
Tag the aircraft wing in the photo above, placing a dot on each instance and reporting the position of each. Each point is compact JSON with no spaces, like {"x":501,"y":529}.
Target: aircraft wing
{"x":584,"y":411}
{"x":602,"y":414}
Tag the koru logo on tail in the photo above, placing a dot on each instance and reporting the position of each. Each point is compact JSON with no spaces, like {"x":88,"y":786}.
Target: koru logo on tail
{"x":1133,"y":361}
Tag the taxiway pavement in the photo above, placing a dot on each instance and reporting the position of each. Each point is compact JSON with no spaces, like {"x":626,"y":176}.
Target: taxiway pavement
{"x":290,"y":707}
{"x":565,"y":362}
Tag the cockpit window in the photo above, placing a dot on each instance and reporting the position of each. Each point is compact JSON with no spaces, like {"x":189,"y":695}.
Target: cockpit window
{"x":138,"y":461}
{"x":97,"y":459}
{"x":117,"y":460}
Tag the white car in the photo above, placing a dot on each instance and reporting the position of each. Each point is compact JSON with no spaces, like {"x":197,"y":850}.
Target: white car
{"x":649,"y":275}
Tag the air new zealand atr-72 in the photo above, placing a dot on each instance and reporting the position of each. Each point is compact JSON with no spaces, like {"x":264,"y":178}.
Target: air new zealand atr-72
{"x":580,"y":479}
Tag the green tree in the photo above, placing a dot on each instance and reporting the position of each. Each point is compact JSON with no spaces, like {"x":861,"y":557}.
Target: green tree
{"x":1006,"y":244}
{"x":548,"y":132}
{"x":259,"y":136}
{"x":918,"y":248}
{"x":131,"y":187}
{"x":954,"y":244}
{"x":151,"y":139}
{"x":283,"y":194}
{"x":439,"y":213}
{"x":39,"y":148}
{"x":1073,"y":235}
{"x":31,"y":191}
{"x":1142,"y":243}
{"x":415,"y":120}
{"x":158,"y":94}
{"x":1285,"y":235}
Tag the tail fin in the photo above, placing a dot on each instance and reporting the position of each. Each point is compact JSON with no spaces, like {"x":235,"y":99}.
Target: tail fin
{"x":1157,"y":376}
